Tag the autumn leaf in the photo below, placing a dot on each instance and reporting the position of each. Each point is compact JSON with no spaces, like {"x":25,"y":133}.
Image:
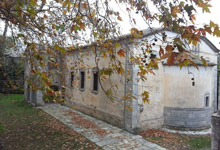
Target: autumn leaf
{"x":119,"y":18}
{"x":129,"y":108}
{"x":203,"y":61}
{"x":93,"y":13}
{"x":107,"y":71}
{"x":193,"y":18}
{"x":194,"y":64}
{"x":206,"y":7}
{"x":53,"y":26}
{"x":171,"y":59}
{"x":82,"y":25}
{"x":161,"y":52}
{"x":84,"y":5}
{"x":145,"y":97}
{"x":175,"y":10}
{"x":33,"y":2}
{"x":64,"y":12}
{"x":117,"y":45}
{"x":65,"y":3}
{"x":147,"y":17}
{"x":121,"y":53}
{"x":45,"y":16}
{"x":108,"y":92}
{"x":169,"y":48}
{"x":165,"y":56}
{"x":212,"y":24}
{"x":135,"y":33}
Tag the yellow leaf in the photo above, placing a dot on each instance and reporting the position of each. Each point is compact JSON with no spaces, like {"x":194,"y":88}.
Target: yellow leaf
{"x":117,"y":45}
{"x":129,"y":108}
{"x":175,"y":10}
{"x":93,"y":13}
{"x":145,"y":96}
{"x":212,"y":24}
{"x":203,"y":61}
{"x":33,"y":2}
{"x":76,"y":5}
{"x":182,"y":4}
{"x":65,"y":3}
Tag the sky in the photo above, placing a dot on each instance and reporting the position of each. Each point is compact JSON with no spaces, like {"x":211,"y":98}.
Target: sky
{"x":214,"y":16}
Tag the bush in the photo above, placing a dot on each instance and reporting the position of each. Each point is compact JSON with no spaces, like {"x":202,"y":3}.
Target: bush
{"x":11,"y":75}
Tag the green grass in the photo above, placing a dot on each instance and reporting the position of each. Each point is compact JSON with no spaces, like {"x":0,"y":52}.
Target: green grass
{"x":22,"y":127}
{"x":2,"y":128}
{"x":199,"y":142}
{"x":156,"y":138}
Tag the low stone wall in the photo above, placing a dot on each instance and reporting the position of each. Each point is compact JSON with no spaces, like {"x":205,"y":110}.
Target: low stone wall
{"x":191,"y":118}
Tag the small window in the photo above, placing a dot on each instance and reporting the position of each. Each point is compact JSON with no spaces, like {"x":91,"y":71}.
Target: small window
{"x":72,"y":79}
{"x":63,"y":92}
{"x":206,"y":101}
{"x":82,"y":80}
{"x":95,"y":83}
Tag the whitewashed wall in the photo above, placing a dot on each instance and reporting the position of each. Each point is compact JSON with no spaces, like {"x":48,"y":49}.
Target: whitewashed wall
{"x":172,"y":86}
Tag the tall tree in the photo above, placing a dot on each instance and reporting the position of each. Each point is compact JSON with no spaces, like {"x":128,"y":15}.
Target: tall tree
{"x":51,"y":27}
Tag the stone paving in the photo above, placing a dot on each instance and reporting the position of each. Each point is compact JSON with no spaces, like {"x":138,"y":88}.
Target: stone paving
{"x":110,"y":137}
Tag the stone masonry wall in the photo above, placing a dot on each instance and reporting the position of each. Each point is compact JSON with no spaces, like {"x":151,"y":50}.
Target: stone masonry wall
{"x":192,"y":118}
{"x":216,"y":131}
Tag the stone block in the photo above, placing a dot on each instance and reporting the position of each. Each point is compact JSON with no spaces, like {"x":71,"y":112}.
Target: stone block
{"x":179,"y":123}
{"x":187,"y":117}
{"x":191,"y":115}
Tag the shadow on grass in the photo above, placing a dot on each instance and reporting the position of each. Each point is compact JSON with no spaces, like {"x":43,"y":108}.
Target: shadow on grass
{"x":22,"y":127}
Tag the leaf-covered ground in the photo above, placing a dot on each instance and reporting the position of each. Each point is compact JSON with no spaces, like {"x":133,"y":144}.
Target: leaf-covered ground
{"x":24,"y":128}
{"x":174,"y":141}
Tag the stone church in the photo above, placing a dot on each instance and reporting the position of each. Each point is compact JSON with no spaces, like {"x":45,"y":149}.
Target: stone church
{"x":179,"y":98}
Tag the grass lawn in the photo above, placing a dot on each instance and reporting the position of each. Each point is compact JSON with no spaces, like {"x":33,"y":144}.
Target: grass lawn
{"x":24,"y":128}
{"x":173,"y":141}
